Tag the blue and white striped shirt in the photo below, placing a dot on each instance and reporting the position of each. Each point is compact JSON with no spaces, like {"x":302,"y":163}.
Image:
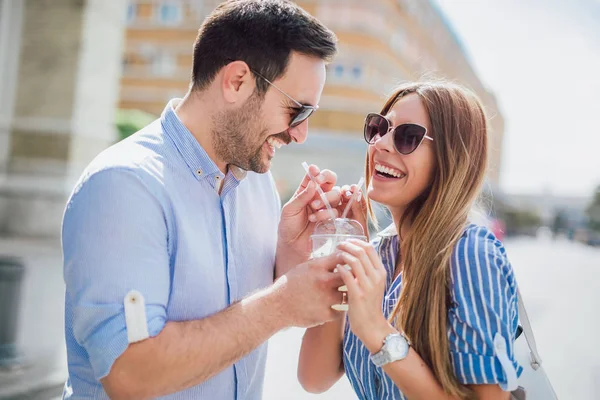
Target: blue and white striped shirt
{"x":484,"y":295}
{"x":147,"y":216}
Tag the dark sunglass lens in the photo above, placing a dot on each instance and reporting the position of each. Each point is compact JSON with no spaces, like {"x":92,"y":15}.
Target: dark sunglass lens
{"x":302,"y":115}
{"x":375,"y":127}
{"x":407,"y":137}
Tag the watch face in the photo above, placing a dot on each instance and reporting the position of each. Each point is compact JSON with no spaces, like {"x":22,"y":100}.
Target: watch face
{"x":397,"y":346}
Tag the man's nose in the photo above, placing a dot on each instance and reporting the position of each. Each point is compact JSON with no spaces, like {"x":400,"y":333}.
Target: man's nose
{"x":299,"y":133}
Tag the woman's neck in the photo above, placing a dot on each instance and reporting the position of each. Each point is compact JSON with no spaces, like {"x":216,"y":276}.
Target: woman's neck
{"x":397,"y":214}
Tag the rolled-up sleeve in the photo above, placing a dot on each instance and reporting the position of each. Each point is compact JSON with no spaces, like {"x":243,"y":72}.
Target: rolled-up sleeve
{"x":484,"y":317}
{"x":114,"y":242}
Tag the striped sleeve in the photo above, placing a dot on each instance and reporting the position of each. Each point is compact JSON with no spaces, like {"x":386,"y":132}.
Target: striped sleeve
{"x":484,"y":317}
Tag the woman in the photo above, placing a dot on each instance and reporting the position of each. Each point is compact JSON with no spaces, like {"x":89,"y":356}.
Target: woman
{"x":438,"y":291}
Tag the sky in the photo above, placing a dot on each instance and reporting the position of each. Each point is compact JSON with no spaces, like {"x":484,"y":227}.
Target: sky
{"x":541,"y":58}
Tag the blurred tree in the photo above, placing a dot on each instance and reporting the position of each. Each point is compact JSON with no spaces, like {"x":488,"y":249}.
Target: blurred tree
{"x":593,"y":212}
{"x":130,"y":121}
{"x":520,"y":221}
{"x":560,"y":223}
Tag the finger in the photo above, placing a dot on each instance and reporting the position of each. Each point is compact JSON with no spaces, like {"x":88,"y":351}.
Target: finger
{"x":340,"y":300}
{"x":350,"y":282}
{"x":327,"y":179}
{"x":334,"y":281}
{"x":370,"y":252}
{"x":347,"y":195}
{"x":315,"y":172}
{"x":323,"y":215}
{"x":346,"y":191}
{"x":299,"y":202}
{"x":357,"y":269}
{"x":326,"y":263}
{"x":358,"y":211}
{"x":333,"y":197}
{"x":359,"y":252}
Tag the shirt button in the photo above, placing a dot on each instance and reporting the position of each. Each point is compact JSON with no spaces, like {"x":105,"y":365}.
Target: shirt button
{"x":199,"y":172}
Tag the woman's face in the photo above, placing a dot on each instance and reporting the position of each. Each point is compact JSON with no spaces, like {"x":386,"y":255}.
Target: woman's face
{"x":413,"y":172}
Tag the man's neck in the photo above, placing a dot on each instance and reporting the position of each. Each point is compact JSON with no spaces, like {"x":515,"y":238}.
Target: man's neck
{"x":195,"y":113}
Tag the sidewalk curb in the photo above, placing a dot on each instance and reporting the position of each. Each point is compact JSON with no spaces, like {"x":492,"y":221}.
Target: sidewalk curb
{"x":43,"y":393}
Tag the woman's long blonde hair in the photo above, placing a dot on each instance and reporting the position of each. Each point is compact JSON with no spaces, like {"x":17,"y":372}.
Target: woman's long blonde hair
{"x":438,"y":219}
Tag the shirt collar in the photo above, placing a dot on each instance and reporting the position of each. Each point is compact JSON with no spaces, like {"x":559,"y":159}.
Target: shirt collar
{"x":194,"y":155}
{"x":389,"y":231}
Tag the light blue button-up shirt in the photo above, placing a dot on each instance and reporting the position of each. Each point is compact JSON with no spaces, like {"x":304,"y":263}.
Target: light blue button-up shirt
{"x":147,"y":215}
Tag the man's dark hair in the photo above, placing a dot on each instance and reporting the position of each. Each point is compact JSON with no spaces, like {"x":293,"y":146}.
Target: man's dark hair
{"x":262,"y":33}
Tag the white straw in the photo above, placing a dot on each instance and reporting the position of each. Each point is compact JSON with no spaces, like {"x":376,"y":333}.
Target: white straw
{"x":321,"y":193}
{"x":358,"y":187}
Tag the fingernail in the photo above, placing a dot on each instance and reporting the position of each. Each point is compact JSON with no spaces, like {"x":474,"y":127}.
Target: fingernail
{"x":320,"y":179}
{"x":343,"y":288}
{"x":358,"y":195}
{"x":316,"y":203}
{"x":340,"y":307}
{"x":312,"y":218}
{"x":348,"y":194}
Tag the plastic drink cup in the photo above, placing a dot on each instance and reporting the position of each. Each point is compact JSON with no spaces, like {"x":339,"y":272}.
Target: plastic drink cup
{"x":329,"y":233}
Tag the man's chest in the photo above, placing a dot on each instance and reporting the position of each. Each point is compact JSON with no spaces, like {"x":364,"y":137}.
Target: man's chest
{"x":221,"y":251}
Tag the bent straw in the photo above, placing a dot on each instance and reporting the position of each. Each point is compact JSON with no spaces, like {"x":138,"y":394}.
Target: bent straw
{"x":358,"y":186}
{"x":321,"y":193}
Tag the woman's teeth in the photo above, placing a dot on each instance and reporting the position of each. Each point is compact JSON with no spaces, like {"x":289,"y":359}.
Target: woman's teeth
{"x":389,"y":171}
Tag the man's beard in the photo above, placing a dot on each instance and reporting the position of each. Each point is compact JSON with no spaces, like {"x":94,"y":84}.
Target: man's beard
{"x":238,"y":136}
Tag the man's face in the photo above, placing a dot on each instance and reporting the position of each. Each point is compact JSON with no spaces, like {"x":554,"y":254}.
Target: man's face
{"x":249,"y":135}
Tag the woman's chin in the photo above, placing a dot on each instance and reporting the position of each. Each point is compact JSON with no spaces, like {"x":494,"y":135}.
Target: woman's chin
{"x":379,"y":196}
{"x":383,"y":197}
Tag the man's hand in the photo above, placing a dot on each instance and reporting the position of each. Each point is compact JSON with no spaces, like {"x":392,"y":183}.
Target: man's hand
{"x":299,"y":215}
{"x":307,"y":292}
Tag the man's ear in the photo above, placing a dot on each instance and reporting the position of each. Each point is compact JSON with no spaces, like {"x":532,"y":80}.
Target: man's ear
{"x":237,"y":82}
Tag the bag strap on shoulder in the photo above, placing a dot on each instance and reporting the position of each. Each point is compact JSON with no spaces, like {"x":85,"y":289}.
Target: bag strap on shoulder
{"x":536,"y":361}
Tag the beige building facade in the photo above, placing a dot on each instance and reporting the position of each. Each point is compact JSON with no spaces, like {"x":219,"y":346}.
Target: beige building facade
{"x":381,"y":43}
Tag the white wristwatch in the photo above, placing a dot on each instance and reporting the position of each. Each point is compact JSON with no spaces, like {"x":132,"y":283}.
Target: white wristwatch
{"x":395,"y":347}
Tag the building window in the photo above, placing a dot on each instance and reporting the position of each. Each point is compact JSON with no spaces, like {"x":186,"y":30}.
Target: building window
{"x":338,"y":71}
{"x":357,"y":72}
{"x":131,"y":12}
{"x":169,"y":13}
{"x":163,"y":64}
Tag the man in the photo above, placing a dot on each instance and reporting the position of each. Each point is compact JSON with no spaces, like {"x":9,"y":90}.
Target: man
{"x":172,"y":237}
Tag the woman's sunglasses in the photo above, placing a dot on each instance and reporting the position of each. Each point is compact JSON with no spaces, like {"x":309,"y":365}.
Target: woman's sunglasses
{"x":407,"y":137}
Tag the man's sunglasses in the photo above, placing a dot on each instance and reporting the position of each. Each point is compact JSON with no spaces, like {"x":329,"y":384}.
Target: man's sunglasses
{"x":302,"y":111}
{"x":406,"y":137}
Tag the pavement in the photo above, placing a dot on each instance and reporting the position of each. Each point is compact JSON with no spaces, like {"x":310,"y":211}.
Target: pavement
{"x":41,"y":370}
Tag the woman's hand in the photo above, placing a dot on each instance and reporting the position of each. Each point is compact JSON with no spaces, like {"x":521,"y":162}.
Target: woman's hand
{"x":366,"y":285}
{"x":358,"y":208}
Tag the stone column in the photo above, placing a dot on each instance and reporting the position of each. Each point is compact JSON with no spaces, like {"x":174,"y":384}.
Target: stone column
{"x":60,"y":63}
{"x":65,"y":60}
